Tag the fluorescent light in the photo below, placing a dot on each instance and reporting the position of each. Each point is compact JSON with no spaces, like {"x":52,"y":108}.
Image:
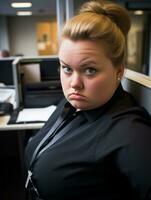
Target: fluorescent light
{"x":138,"y":12}
{"x":21,"y":4}
{"x":24,"y":13}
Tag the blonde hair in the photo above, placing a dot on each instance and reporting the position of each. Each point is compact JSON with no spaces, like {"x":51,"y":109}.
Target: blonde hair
{"x":102,"y":21}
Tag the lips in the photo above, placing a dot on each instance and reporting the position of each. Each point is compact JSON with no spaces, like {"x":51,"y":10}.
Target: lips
{"x":76,"y":96}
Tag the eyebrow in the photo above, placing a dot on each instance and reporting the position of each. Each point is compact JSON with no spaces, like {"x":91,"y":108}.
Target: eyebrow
{"x":88,"y":63}
{"x":64,"y":63}
{"x":83,"y":65}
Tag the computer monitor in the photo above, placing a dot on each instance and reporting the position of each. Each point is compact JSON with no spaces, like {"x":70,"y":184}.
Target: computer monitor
{"x":49,"y":69}
{"x":39,"y":69}
{"x":37,"y":81}
{"x":6,"y":71}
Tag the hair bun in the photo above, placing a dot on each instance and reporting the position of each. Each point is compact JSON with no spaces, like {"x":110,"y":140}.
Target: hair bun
{"x":114,"y":12}
{"x":93,"y":7}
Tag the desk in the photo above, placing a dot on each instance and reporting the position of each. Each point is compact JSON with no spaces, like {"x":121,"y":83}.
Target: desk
{"x":9,"y":127}
{"x":12,"y":142}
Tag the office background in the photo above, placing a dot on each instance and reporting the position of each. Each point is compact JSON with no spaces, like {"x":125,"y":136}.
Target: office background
{"x":38,"y":34}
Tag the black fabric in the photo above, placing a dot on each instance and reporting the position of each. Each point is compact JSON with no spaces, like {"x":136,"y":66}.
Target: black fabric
{"x":67,"y":121}
{"x":74,"y":122}
{"x":107,"y":156}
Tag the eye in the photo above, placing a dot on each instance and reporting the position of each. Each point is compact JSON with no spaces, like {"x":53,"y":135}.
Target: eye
{"x":67,"y":69}
{"x":90,"y":71}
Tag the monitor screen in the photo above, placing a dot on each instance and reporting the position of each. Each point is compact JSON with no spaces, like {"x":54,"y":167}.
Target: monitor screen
{"x":6,"y":71}
{"x":49,"y":69}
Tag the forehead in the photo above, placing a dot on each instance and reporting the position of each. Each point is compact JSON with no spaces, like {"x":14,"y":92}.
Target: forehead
{"x":81,"y":46}
{"x":81,"y":49}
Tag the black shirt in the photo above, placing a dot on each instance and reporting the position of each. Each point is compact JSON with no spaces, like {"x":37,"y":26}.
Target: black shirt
{"x":105,"y":157}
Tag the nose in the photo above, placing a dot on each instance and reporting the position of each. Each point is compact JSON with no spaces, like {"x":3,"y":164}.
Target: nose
{"x":76,"y":81}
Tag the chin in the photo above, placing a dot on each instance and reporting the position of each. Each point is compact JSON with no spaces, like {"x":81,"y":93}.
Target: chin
{"x":80,"y":106}
{"x":77,"y":105}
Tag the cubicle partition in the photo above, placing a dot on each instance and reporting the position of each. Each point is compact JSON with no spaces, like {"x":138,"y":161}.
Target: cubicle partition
{"x":139,"y":85}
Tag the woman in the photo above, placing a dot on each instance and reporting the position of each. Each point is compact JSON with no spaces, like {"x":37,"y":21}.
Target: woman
{"x":95,"y":145}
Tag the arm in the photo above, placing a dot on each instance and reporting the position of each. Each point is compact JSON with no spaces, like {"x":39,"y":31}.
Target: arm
{"x":134,"y":160}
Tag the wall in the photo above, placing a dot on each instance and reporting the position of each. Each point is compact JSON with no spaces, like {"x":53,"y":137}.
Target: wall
{"x":4,"y":41}
{"x":22,"y":34}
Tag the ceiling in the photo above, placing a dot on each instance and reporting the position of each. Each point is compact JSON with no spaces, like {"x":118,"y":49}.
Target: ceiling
{"x":48,"y":7}
{"x":39,"y":7}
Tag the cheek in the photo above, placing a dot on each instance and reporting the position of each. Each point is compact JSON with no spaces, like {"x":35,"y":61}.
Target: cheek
{"x":101,"y":86}
{"x":64,"y":82}
{"x":96,"y":85}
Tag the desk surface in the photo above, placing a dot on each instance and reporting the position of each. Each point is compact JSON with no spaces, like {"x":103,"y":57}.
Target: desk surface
{"x":9,"y":127}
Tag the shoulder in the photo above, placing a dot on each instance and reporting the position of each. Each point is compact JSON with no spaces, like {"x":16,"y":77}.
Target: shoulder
{"x":131,"y":124}
{"x":132,"y":117}
{"x":133,"y":157}
{"x":125,"y":109}
{"x":124,"y":129}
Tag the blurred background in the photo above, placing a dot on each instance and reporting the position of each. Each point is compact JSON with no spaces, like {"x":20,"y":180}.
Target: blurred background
{"x":34,"y":29}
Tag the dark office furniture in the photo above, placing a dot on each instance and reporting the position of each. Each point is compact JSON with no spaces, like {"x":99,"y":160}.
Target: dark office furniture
{"x":38,"y":94}
{"x":6,"y":71}
{"x":46,"y":93}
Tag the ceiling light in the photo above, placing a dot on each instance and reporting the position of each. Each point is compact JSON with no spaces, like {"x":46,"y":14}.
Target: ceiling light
{"x":21,"y":4}
{"x":24,"y":13}
{"x":138,"y":12}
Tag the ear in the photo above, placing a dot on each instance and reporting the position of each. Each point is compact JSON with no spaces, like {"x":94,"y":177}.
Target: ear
{"x":120,"y":71}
